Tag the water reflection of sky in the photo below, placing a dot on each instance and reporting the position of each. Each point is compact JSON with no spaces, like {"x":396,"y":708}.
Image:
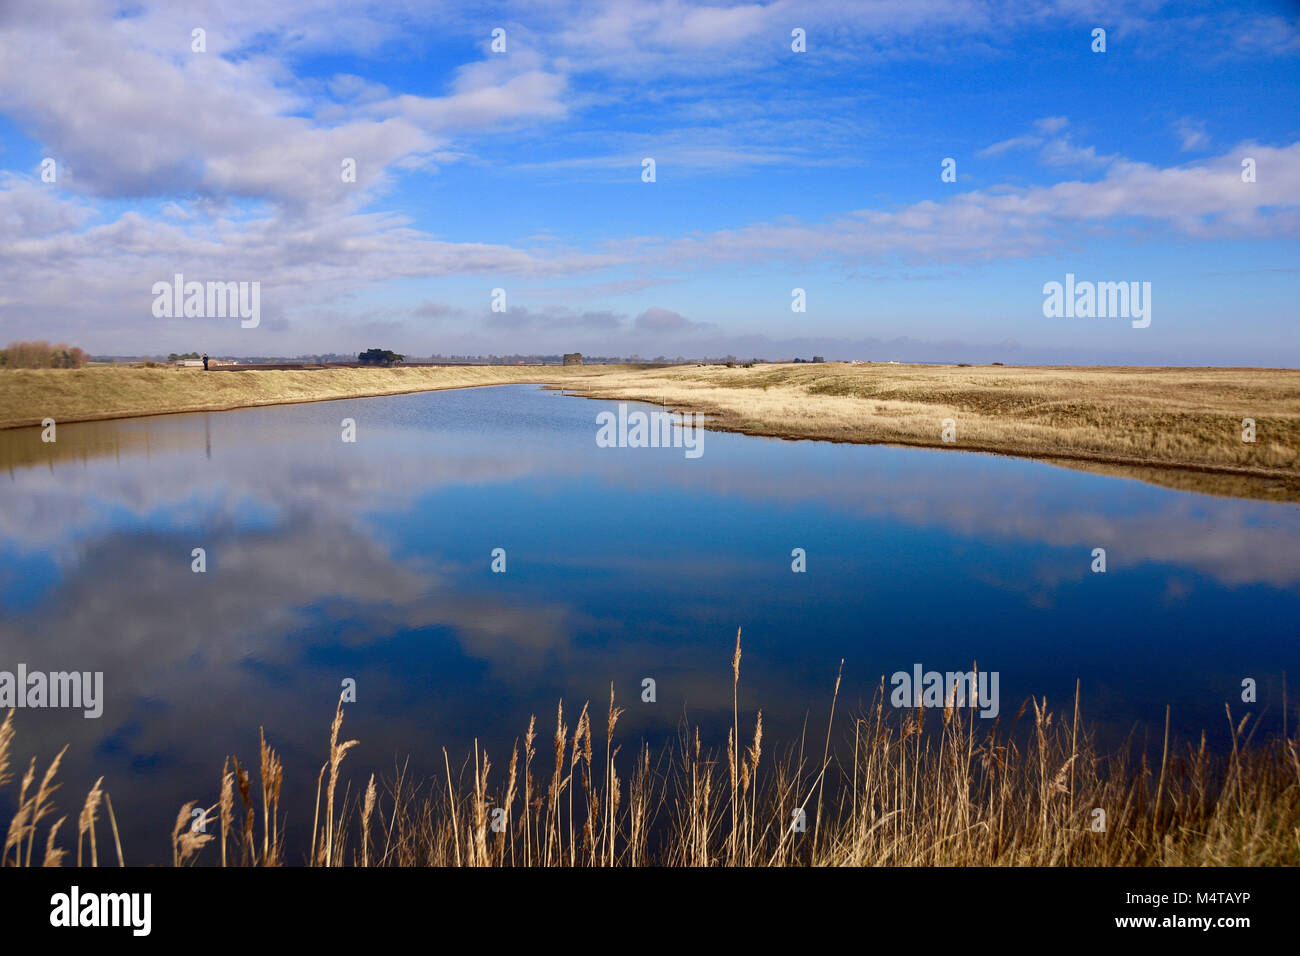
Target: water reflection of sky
{"x":371,"y":560}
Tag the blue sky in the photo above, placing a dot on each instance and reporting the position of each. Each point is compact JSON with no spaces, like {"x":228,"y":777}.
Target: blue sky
{"x":775,"y":169}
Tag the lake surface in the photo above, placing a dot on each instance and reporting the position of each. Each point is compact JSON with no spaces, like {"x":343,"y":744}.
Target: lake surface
{"x":371,"y":561}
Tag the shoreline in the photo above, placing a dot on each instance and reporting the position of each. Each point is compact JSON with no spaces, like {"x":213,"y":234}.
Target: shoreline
{"x":238,"y":406}
{"x":80,"y":398}
{"x":1079,"y":418}
{"x":1064,"y":460}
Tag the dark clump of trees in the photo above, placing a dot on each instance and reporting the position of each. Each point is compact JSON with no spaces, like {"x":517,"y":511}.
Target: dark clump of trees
{"x":379,"y":357}
{"x":41,"y":355}
{"x":179,"y":356}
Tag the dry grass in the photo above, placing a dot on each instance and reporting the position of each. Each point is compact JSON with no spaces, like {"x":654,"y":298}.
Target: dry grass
{"x":1176,"y":426}
{"x":102,"y":392}
{"x":920,"y":789}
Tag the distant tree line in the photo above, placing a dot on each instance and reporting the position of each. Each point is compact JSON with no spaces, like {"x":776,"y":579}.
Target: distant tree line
{"x":181,"y":356}
{"x":41,"y":355}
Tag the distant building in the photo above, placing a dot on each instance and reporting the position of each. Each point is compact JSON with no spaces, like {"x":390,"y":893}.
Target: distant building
{"x":572,"y":358}
{"x":819,"y":358}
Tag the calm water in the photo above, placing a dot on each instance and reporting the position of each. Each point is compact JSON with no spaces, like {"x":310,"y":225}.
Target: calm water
{"x":371,"y":561}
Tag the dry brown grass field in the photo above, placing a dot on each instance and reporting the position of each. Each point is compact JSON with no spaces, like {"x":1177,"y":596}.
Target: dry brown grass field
{"x":102,"y":391}
{"x":1180,"y":427}
{"x":903,"y":788}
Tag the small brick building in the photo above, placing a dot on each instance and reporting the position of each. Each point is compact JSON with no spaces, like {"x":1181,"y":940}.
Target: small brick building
{"x":572,"y":358}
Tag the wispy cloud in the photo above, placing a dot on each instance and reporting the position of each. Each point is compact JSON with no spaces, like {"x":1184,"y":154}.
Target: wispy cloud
{"x":1191,"y":134}
{"x":1055,"y":145}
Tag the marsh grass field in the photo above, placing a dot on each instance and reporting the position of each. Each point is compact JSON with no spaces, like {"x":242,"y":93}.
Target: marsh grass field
{"x":1178,"y":427}
{"x":100,"y":392}
{"x":879,"y":788}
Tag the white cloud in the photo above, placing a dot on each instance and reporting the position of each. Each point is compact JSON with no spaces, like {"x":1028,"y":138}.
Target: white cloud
{"x":131,"y":111}
{"x":1202,"y":200}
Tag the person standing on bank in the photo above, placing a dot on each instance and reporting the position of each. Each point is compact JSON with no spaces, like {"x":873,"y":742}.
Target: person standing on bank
{"x":205,"y":361}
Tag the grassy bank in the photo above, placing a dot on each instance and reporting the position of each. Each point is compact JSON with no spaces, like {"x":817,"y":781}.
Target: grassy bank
{"x":101,"y":392}
{"x":1179,"y":427}
{"x":913,"y":789}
